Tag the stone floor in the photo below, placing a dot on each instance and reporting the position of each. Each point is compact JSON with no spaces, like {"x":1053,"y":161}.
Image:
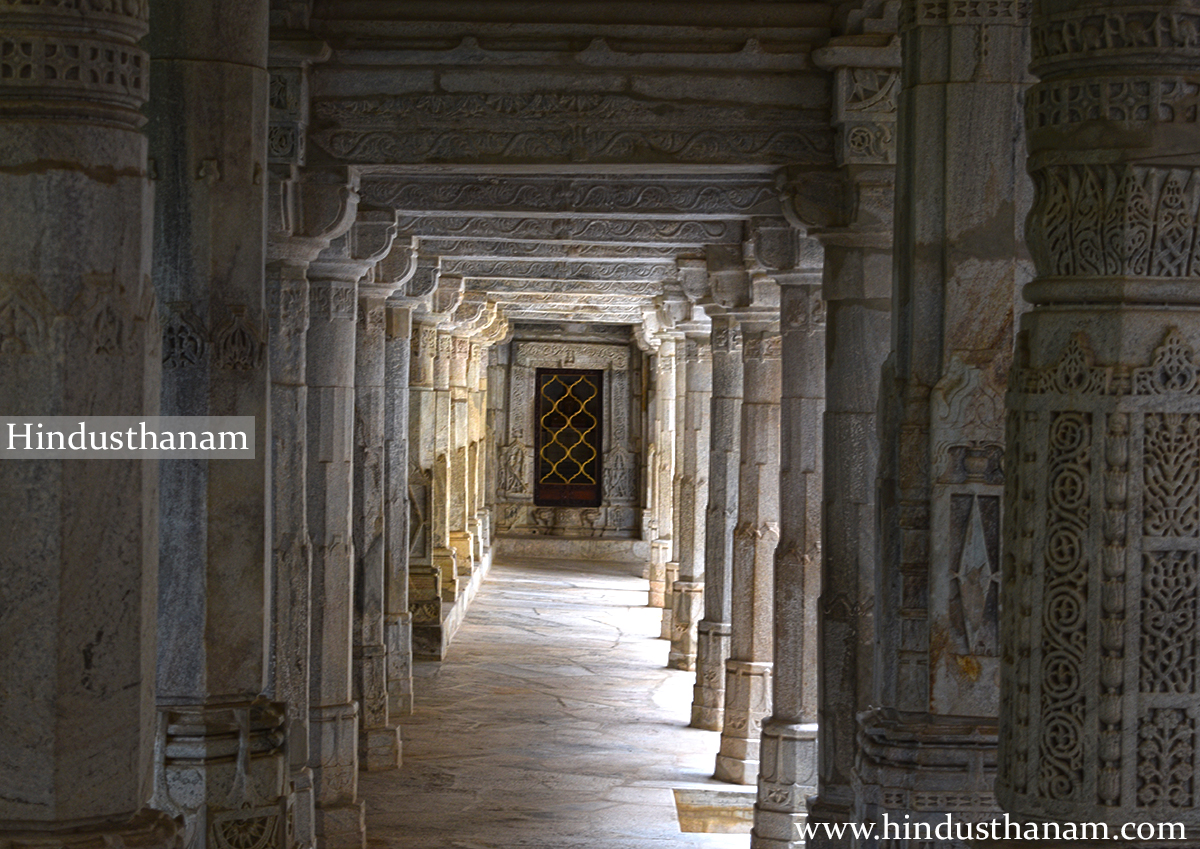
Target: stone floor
{"x":553,"y":723}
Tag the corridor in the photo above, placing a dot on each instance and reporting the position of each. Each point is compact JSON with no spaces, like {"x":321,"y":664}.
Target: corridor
{"x":552,"y":722}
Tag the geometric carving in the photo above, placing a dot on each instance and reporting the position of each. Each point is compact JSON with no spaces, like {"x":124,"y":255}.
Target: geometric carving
{"x":1169,"y":597}
{"x":244,"y":829}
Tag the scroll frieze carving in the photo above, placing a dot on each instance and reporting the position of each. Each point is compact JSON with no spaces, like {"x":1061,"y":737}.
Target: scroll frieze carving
{"x":531,"y":354}
{"x":575,"y":228}
{"x":1064,"y":608}
{"x":601,"y":272}
{"x":1173,"y":370}
{"x":710,"y":197}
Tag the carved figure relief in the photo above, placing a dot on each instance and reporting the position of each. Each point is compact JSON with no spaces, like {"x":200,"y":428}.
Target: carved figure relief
{"x":185,"y":339}
{"x":514,"y":458}
{"x":618,"y":477}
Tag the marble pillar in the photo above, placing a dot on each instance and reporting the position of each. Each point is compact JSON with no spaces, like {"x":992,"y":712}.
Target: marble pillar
{"x":748,"y":670}
{"x":333,"y":713}
{"x":305,"y":213}
{"x":208,"y":130}
{"x":788,"y":755}
{"x":78,"y":555}
{"x":379,"y":738}
{"x":928,"y":742}
{"x":678,"y":446}
{"x":688,"y":591}
{"x":458,"y":451}
{"x":725,"y":449}
{"x":661,"y":547}
{"x":1098,"y":700}
{"x":445,"y":556}
{"x":857,"y":290}
{"x":397,"y":530}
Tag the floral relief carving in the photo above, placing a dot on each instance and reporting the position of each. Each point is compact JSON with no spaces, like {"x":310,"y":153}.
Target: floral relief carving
{"x":1168,"y":640}
{"x":1171,"y":474}
{"x":238,"y":343}
{"x":1166,"y":759}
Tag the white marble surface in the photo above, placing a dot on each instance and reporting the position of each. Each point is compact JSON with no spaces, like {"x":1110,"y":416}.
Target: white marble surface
{"x":552,"y":722}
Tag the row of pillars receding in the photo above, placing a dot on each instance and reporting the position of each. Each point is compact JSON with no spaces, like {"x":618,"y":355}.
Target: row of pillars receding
{"x":949,"y":553}
{"x":206,"y":653}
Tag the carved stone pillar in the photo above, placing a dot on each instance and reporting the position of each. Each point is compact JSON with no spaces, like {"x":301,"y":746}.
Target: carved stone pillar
{"x":664,"y":470}
{"x":856,"y":232}
{"x":748,"y":670}
{"x":458,"y":480}
{"x":333,"y":714}
{"x":207,"y":130}
{"x":1098,"y":679}
{"x":424,"y":578}
{"x":379,"y":741}
{"x":80,"y":336}
{"x":678,"y":442}
{"x":788,"y":771}
{"x":725,"y":450}
{"x":445,"y":557}
{"x":960,"y":260}
{"x":305,"y":214}
{"x":688,"y":592}
{"x":397,"y":619}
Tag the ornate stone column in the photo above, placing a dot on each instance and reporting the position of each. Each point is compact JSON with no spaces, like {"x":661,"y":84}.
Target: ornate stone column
{"x":1098,"y":678}
{"x":379,"y":741}
{"x":664,"y":470}
{"x":333,"y":714}
{"x":427,"y":525}
{"x":725,"y":429}
{"x":688,"y":592}
{"x":458,"y":476}
{"x":445,"y":558}
{"x":854,"y":224}
{"x":748,"y":670}
{"x":960,"y":260}
{"x":208,"y":133}
{"x":78,"y":558}
{"x":305,"y":214}
{"x":397,"y":619}
{"x":788,"y":770}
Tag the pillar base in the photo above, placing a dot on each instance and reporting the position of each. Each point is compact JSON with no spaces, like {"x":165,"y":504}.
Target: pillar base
{"x":398,"y":635}
{"x":445,"y":561}
{"x":747,"y":703}
{"x":708,"y":696}
{"x":304,"y":826}
{"x":148,"y":829}
{"x":342,"y":826}
{"x":687,"y":610}
{"x":379,"y":749}
{"x":823,"y":811}
{"x":223,"y":770}
{"x":668,"y":615}
{"x":333,"y":756}
{"x":463,"y":545}
{"x":660,"y":553}
{"x":787,"y":777}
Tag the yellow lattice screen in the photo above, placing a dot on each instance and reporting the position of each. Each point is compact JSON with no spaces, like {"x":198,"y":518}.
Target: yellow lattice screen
{"x":568,"y":428}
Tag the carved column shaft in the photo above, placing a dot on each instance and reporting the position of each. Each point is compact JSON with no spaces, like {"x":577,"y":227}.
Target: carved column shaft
{"x":379,"y":742}
{"x":445,"y":559}
{"x":678,"y":446}
{"x":334,"y":715}
{"x":458,"y":451}
{"x":664,"y":472}
{"x":725,"y":450}
{"x":857,"y":288}
{"x":80,"y":336}
{"x":207,"y":130}
{"x":397,"y":618}
{"x":748,"y":670}
{"x":788,"y":773}
{"x":425,"y":579}
{"x":688,"y":591}
{"x":1098,"y":703}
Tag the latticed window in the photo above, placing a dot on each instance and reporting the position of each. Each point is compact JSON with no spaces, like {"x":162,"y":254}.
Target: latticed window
{"x":570,"y":424}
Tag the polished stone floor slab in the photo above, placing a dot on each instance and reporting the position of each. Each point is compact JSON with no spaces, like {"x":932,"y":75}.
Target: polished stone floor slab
{"x":552,"y":723}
